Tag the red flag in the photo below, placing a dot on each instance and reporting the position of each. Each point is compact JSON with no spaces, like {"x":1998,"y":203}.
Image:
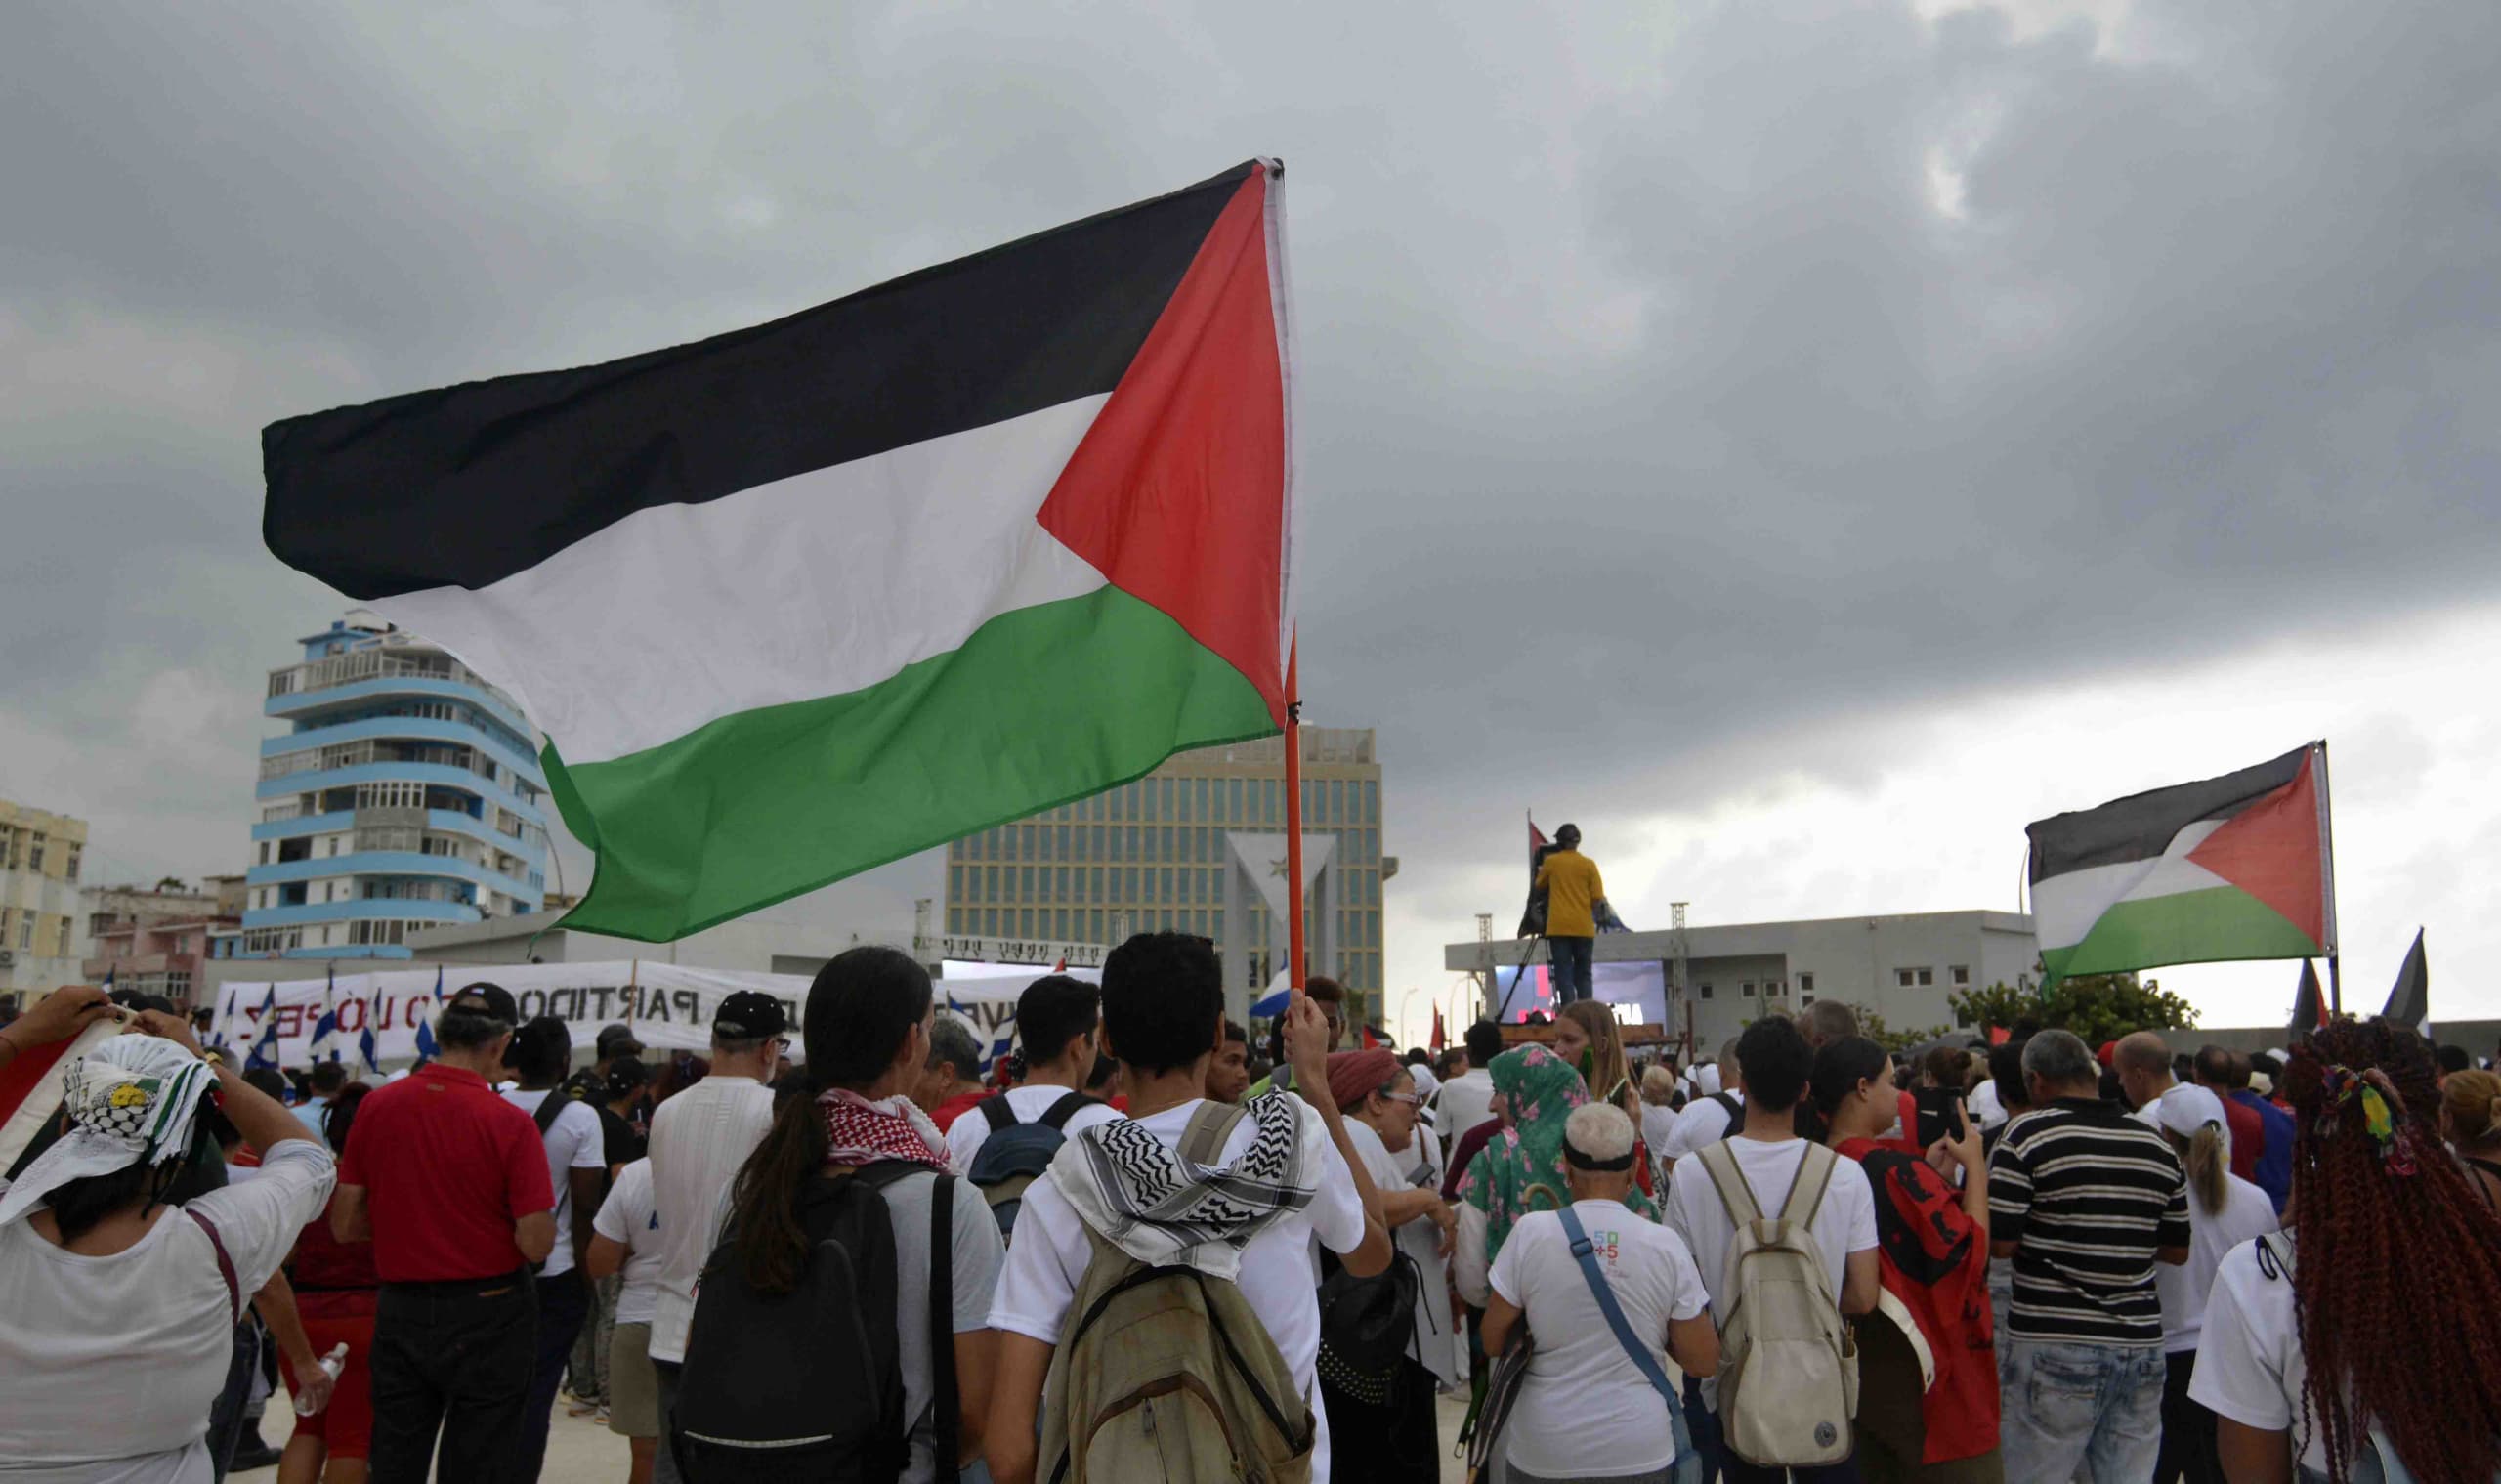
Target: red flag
{"x":1438,"y":1039}
{"x":1372,"y":1042}
{"x":1998,"y":1035}
{"x":1060,"y":967}
{"x":30,"y":1085}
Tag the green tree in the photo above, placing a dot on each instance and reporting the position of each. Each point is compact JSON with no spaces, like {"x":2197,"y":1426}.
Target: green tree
{"x":1871,"y":1024}
{"x":2096,"y":1007}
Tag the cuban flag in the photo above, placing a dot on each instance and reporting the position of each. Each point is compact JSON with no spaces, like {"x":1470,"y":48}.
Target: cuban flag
{"x":425,"y":1028}
{"x":369,"y":1048}
{"x":326,"y":1031}
{"x":264,"y":1045}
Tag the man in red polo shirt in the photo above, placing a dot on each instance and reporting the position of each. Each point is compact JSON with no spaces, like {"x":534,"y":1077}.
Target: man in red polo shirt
{"x":450,"y":1183}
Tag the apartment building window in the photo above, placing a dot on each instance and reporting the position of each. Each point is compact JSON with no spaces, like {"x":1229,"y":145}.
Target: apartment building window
{"x":1905,"y":978}
{"x":1961,"y":974}
{"x":1805,"y":984}
{"x":26,"y":930}
{"x":34,"y":854}
{"x":1747,"y":989}
{"x":1706,"y":991}
{"x":265,"y":852}
{"x":70,"y":868}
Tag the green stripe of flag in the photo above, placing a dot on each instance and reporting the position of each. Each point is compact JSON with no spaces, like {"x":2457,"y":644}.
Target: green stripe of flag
{"x":2212,"y":926}
{"x":1041,"y":706}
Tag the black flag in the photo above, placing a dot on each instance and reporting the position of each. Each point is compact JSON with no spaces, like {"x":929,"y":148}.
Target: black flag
{"x":2310,"y":1006}
{"x":2409,"y":1004}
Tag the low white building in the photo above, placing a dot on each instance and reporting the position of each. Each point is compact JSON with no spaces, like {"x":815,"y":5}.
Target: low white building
{"x":1902,"y":966}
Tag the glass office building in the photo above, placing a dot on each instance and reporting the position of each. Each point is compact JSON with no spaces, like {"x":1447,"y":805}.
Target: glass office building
{"x":1150,"y":854}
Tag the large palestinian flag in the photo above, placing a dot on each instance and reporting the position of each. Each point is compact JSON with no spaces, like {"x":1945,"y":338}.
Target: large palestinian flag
{"x":2235,"y":866}
{"x":803,"y":599}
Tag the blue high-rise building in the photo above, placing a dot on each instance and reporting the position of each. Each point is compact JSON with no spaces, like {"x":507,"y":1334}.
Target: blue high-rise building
{"x":406,"y":794}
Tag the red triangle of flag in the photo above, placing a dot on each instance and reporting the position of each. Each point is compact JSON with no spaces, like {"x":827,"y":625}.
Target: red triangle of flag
{"x":2271,"y":850}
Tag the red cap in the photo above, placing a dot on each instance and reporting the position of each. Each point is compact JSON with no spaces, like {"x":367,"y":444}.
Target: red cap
{"x":2108,"y":1054}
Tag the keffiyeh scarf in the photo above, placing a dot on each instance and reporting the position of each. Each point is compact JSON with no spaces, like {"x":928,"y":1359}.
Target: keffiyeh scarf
{"x":1164,"y":1210}
{"x":132,"y":1100}
{"x":857,"y":1131}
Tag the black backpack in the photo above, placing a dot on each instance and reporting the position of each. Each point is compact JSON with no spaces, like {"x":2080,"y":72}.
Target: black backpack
{"x":808,"y":1384}
{"x":1013,"y":1155}
{"x":1368,"y":1325}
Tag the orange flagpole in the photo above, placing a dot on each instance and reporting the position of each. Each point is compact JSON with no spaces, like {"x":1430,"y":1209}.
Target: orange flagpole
{"x":1295,"y":966}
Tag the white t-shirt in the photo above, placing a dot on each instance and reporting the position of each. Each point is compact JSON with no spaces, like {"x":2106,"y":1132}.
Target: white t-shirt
{"x":574,"y":1141}
{"x":2246,"y":1214}
{"x":2249,"y":1366}
{"x":1467,"y":1100}
{"x":1049,"y":1255}
{"x":1585,"y":1406}
{"x":698,"y":1140}
{"x":1703,"y":1121}
{"x":627,"y":1219}
{"x":1844,"y":1223}
{"x":112,"y":1362}
{"x":1658,"y":1126}
{"x":966,"y":1137}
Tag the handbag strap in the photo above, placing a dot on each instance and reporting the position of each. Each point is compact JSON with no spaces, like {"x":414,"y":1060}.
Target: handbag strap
{"x":946,"y":1425}
{"x":1584,"y":1253}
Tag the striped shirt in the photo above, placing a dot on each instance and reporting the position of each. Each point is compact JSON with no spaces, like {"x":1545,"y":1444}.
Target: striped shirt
{"x":2088,"y":1194}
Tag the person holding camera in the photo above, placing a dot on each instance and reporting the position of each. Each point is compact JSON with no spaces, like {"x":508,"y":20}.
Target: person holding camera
{"x":1933,"y":1245}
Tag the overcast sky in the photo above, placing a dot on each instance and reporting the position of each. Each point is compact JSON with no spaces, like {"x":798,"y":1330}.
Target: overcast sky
{"x":1800,"y":443}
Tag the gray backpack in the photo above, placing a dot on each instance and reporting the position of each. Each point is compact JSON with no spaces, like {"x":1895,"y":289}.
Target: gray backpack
{"x":1788,"y":1366}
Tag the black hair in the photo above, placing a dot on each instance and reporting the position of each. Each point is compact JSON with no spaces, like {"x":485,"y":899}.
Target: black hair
{"x":466,"y":1030}
{"x":328,"y":1077}
{"x":1163,"y":1000}
{"x":1054,"y":1010}
{"x":1484,"y":1043}
{"x":1840,"y":1066}
{"x":1234,"y":1031}
{"x":2005,"y":1069}
{"x":266,"y":1081}
{"x":2454,"y":1059}
{"x":1776,"y":1061}
{"x":77,"y":1206}
{"x":626,"y":1077}
{"x":1418,"y":1056}
{"x":2213,"y":1066}
{"x":342,"y":1116}
{"x":860,"y":1011}
{"x":541,"y":1049}
{"x":2267,"y":1062}
{"x":1103,"y":1070}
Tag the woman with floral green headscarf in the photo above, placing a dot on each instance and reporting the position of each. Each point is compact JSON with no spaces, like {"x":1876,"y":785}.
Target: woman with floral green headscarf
{"x":1522,"y":1170}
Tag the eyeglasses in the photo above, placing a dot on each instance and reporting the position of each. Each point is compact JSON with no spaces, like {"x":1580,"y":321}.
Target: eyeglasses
{"x":1411,"y":1099}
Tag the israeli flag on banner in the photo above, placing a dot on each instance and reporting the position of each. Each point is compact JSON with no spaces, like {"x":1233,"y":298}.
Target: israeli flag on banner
{"x":997,"y":1048}
{"x":326,"y":1031}
{"x":426,"y":1047}
{"x":264,"y":1047}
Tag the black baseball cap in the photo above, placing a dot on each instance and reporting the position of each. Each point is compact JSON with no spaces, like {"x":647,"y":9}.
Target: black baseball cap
{"x":491,"y":1000}
{"x":617,"y":1039}
{"x":749,"y":1015}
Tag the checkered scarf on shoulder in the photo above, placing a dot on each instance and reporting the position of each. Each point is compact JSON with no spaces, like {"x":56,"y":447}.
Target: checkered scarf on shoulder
{"x":1164,"y":1211}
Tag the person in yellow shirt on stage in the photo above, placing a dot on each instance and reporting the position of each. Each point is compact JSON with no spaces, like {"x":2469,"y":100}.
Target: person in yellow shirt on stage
{"x":1575,"y":896}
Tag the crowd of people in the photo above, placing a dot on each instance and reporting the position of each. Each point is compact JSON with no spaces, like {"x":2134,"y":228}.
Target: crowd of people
{"x":1148,"y":1247}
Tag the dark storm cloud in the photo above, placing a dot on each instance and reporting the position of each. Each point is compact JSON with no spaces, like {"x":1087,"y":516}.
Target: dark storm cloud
{"x":1672,"y":387}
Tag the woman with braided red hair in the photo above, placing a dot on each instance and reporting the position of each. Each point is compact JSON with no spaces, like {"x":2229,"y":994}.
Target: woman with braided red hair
{"x":2375,"y":1350}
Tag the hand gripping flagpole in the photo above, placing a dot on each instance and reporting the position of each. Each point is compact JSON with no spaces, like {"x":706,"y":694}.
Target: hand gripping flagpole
{"x":1294,"y":961}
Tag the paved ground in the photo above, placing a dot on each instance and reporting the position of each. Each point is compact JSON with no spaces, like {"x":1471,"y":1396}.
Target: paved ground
{"x":581,"y":1451}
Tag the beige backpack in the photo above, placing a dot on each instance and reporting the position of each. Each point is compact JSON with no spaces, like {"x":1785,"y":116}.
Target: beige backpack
{"x":1788,"y":1366}
{"x":1164,"y":1375}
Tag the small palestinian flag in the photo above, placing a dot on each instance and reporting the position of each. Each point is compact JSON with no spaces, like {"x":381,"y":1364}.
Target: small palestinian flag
{"x":803,"y":599}
{"x":2235,"y":866}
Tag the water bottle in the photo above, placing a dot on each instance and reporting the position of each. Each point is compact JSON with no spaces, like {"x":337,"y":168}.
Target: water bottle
{"x":331,"y":1365}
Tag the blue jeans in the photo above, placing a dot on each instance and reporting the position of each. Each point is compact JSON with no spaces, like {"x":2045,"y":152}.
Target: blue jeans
{"x":1574,"y":969}
{"x":2067,"y":1407}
